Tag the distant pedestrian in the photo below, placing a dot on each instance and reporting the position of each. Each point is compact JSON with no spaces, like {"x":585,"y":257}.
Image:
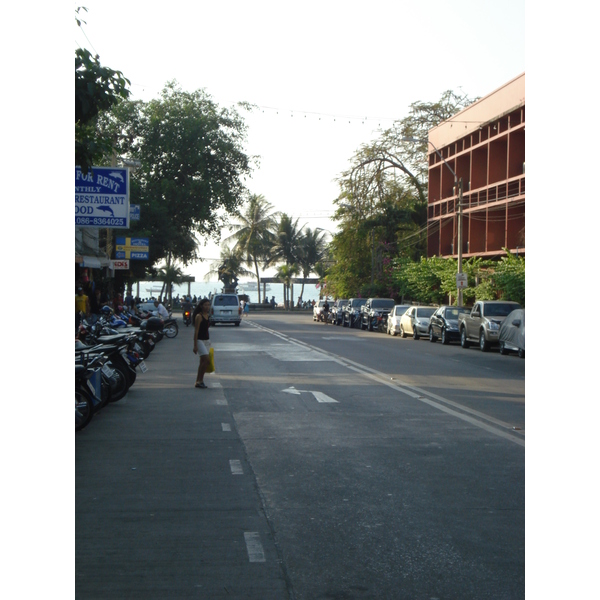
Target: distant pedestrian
{"x":82,"y":305}
{"x":246,"y":308}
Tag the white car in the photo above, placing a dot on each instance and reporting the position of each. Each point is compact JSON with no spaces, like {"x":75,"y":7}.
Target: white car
{"x":415,"y":321}
{"x":317,"y":309}
{"x":225,"y":308}
{"x":393,"y":324}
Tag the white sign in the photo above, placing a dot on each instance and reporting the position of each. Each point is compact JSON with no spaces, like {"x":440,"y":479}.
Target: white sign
{"x":102,"y":198}
{"x":461,"y":281}
{"x":120,"y":264}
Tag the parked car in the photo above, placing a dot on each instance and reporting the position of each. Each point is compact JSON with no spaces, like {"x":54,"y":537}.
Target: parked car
{"x":337,"y":311}
{"x":511,"y":335}
{"x":352,"y":312}
{"x":225,"y":308}
{"x":318,"y":309}
{"x":482,"y":324}
{"x":373,"y":310}
{"x":393,"y":324}
{"x":444,"y":324}
{"x":415,"y":321}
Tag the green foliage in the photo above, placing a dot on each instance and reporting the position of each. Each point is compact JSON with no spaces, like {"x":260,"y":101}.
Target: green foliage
{"x":192,"y":172}
{"x":287,"y":242}
{"x":351,"y":269}
{"x":509,"y":278}
{"x":382,"y":209}
{"x":254,"y":232}
{"x":170,"y":275}
{"x":433,"y":280}
{"x":97,"y":89}
{"x":229,"y":268}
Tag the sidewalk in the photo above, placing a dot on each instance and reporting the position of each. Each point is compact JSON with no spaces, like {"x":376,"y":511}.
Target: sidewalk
{"x":166,"y":504}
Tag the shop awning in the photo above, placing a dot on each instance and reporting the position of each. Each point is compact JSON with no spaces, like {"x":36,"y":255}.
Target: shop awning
{"x":94,"y":262}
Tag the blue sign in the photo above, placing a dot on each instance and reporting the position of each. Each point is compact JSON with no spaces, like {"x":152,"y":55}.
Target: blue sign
{"x":134,"y":212}
{"x":132,"y":248}
{"x":102,"y":197}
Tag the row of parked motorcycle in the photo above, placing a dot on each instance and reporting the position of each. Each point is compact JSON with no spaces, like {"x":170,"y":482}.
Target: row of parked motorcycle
{"x":110,"y":349}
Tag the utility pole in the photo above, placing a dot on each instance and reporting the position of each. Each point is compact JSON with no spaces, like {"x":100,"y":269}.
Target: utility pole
{"x":460,"y":236}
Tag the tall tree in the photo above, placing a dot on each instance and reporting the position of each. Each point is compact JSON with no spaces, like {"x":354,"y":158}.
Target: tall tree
{"x":228,"y":268}
{"x":193,"y":168}
{"x":287,"y":242}
{"x":170,"y":275}
{"x":286,"y":273}
{"x":383,"y":199}
{"x":97,"y":89}
{"x":254,"y":234}
{"x":313,"y":250}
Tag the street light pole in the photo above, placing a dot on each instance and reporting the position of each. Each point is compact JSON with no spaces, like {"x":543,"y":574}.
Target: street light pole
{"x":458,"y":189}
{"x":459,"y":235}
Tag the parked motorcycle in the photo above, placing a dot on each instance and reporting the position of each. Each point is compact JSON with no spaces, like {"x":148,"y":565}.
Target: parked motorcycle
{"x":382,"y":323}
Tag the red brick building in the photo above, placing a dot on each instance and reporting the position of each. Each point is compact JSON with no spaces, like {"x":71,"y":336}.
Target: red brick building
{"x":484,"y":144}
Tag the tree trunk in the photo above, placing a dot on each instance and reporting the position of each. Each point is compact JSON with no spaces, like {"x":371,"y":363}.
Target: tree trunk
{"x":257,"y":279}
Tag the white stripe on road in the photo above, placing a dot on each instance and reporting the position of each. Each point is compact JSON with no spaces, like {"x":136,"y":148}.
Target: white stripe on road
{"x":236,"y":467}
{"x":493,"y":425}
{"x":254,"y":547}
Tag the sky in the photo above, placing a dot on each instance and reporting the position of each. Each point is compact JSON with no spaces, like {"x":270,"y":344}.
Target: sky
{"x":325,"y":76}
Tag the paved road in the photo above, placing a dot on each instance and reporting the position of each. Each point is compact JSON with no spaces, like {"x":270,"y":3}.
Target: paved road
{"x":321,"y":463}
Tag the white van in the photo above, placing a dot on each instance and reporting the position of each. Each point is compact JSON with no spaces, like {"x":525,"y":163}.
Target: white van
{"x":225,"y":308}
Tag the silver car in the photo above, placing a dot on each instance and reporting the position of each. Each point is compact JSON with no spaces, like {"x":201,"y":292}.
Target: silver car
{"x":415,"y":321}
{"x":225,"y":308}
{"x":393,"y":324}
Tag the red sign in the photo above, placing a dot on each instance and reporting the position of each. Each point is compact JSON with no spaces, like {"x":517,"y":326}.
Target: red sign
{"x":120,"y":264}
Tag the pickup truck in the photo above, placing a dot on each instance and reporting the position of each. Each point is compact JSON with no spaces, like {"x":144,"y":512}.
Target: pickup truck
{"x":481,"y":325}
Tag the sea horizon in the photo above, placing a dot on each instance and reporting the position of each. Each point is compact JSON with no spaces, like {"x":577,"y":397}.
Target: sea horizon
{"x":202,"y":289}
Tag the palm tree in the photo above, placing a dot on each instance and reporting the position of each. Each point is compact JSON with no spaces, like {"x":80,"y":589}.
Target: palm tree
{"x":287,"y":242}
{"x":313,"y":250}
{"x":254,"y":234}
{"x":228,"y":269}
{"x":170,"y":275}
{"x":286,"y":273}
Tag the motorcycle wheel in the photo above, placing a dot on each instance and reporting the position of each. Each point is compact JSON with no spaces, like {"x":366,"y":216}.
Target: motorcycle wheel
{"x":84,"y":409}
{"x":119,"y":384}
{"x":171,"y":330}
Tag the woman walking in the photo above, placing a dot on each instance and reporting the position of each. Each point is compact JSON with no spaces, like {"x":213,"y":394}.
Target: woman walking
{"x":201,"y":343}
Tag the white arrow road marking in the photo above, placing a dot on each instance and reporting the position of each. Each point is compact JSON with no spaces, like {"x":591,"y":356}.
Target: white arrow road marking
{"x":319,"y":396}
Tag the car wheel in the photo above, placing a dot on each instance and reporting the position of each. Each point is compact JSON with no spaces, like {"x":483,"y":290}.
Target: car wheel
{"x":503,"y":349}
{"x":416,"y":335}
{"x":521,"y":352}
{"x":444,"y":337}
{"x":432,"y":337}
{"x":484,"y":345}
{"x":464,"y":342}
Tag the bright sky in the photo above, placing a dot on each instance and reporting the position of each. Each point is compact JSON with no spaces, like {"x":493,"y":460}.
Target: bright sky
{"x":326,"y":75}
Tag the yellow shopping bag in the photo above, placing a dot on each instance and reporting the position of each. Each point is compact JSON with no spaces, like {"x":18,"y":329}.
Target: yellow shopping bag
{"x":211,"y":361}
